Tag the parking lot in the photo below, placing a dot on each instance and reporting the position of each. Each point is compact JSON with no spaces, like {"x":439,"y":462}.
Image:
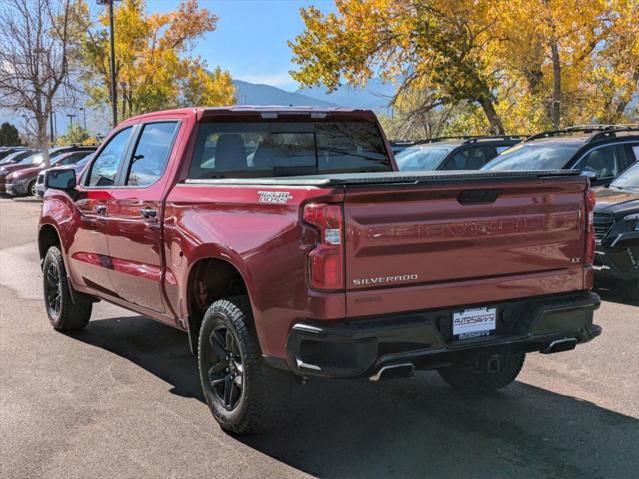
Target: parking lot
{"x":122,"y":399}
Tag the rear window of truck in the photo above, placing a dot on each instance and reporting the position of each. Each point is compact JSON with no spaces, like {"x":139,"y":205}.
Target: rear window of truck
{"x":268,"y":149}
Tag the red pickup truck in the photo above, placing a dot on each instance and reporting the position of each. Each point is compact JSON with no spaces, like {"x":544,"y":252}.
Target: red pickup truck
{"x":286,"y":244}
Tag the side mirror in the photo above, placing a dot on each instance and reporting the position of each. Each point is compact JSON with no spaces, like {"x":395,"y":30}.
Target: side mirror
{"x":61,"y":179}
{"x":591,"y":175}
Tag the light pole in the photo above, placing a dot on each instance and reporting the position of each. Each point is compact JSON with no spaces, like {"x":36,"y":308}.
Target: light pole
{"x":51,"y":125}
{"x":84,"y":117}
{"x":114,"y":94}
{"x":26,"y":124}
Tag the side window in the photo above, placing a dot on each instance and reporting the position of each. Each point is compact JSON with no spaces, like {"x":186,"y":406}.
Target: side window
{"x":603,"y":162}
{"x":457,"y":161}
{"x":631,"y":153}
{"x":105,"y":167}
{"x":499,"y":149}
{"x":151,"y":153}
{"x":471,"y":158}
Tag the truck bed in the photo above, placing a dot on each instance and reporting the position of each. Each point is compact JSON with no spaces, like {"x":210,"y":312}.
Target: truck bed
{"x":393,"y":177}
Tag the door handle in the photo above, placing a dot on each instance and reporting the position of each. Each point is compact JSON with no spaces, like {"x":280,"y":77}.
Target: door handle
{"x":100,"y":209}
{"x":148,"y":212}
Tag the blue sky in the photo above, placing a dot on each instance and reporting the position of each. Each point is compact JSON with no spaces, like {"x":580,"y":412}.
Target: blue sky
{"x":251,"y":35}
{"x":249,"y":41}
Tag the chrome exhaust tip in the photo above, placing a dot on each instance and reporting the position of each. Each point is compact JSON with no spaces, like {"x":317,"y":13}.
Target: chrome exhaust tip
{"x":559,"y":345}
{"x":393,"y":371}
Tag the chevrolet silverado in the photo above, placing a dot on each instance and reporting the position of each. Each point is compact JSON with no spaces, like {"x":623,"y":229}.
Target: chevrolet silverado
{"x":287,"y":245}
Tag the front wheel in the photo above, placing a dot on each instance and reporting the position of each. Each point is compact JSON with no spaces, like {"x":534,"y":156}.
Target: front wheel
{"x":244,"y":394}
{"x":481,"y":377}
{"x":31,"y":189}
{"x":67,"y":310}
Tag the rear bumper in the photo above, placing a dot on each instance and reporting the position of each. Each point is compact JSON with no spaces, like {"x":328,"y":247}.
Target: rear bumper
{"x":361,"y":347}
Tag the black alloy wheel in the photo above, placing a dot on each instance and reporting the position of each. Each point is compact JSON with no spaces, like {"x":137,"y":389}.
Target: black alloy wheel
{"x":226,"y":374}
{"x":53,"y":289}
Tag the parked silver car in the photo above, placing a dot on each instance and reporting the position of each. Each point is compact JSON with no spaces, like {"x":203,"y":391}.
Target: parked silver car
{"x":78,"y":167}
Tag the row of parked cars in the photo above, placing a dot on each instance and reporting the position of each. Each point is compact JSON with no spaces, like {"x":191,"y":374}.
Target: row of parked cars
{"x":22,"y":169}
{"x":607,"y":154}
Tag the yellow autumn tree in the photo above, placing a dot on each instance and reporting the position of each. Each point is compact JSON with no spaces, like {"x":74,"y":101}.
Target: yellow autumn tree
{"x":547,"y":50}
{"x":153,"y":67}
{"x":614,"y":78}
{"x":515,"y":65}
{"x":436,"y":45}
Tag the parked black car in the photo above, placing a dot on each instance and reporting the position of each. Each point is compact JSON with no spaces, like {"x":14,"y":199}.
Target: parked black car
{"x":600,"y":151}
{"x":616,"y":220}
{"x":451,"y":153}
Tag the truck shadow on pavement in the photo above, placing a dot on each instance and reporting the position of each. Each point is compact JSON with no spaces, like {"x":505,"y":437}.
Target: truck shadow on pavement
{"x":412,"y":427}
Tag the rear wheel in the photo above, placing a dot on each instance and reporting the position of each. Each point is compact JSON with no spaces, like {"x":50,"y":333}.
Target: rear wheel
{"x":244,"y":394}
{"x":482,"y":375}
{"x":67,"y":310}
{"x":31,"y":189}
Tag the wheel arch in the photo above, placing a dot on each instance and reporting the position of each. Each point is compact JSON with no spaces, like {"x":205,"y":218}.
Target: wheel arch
{"x":48,"y":235}
{"x":210,"y":278}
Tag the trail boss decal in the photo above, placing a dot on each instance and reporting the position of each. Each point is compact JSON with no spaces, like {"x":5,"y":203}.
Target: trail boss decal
{"x":277,"y":197}
{"x":384,"y":279}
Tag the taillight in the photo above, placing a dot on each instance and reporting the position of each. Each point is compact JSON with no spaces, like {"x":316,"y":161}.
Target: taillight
{"x":326,"y":261}
{"x":590,"y":228}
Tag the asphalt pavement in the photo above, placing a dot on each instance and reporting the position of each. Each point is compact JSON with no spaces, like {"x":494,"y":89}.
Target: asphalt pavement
{"x":121,"y":399}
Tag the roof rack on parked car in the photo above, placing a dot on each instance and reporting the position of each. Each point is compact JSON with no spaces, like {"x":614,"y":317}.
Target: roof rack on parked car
{"x":476,"y":139}
{"x":598,"y":131}
{"x":465,"y":138}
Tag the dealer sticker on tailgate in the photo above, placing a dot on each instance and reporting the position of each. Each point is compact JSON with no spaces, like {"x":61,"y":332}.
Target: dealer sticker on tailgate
{"x":472,"y":323}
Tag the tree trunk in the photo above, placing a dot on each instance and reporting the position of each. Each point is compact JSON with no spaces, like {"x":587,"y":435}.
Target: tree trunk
{"x":623,"y":103}
{"x":496,"y":126}
{"x":43,"y":140}
{"x":555,"y":106}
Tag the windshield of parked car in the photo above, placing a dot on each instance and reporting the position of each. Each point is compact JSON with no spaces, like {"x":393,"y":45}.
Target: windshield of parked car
{"x":628,"y":180}
{"x":32,"y":160}
{"x":15,"y":157}
{"x":265,"y":149}
{"x":421,"y":157}
{"x":70,"y":158}
{"x":534,"y":156}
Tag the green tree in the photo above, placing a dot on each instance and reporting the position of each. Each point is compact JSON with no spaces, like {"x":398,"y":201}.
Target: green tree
{"x":9,"y":135}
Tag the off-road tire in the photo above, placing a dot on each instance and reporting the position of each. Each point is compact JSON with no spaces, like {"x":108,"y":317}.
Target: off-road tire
{"x":75,"y":308}
{"x":265,"y":390}
{"x":468,"y":378}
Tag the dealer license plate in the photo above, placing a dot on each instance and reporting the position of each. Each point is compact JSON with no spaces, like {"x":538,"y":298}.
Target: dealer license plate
{"x":472,"y":323}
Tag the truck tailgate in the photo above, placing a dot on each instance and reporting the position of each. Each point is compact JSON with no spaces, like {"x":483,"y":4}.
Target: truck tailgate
{"x":440,"y":244}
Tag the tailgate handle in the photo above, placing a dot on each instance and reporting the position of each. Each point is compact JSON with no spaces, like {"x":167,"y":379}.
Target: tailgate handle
{"x":478,"y":196}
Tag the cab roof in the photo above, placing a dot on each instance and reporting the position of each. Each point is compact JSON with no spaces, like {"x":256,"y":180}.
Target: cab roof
{"x":266,"y":112}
